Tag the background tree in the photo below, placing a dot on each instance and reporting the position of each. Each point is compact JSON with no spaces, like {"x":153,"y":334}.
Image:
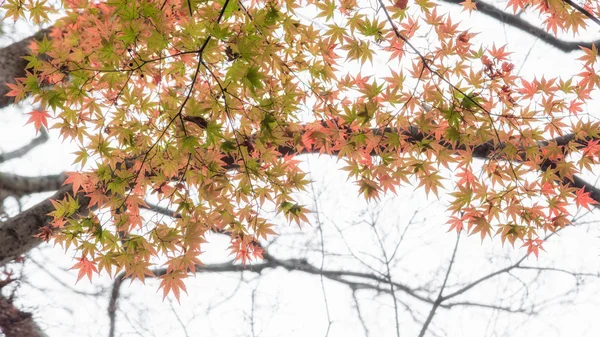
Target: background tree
{"x":435,"y":129}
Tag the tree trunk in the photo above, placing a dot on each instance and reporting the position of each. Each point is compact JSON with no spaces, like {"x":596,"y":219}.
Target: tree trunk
{"x":13,"y":64}
{"x":16,"y":323}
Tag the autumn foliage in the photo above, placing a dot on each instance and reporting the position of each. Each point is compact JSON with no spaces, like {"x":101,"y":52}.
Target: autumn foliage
{"x":205,"y":105}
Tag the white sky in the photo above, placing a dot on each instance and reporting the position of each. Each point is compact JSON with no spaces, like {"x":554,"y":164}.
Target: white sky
{"x":293,"y":303}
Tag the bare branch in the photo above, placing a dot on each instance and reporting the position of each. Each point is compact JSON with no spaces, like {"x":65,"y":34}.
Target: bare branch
{"x":559,"y":270}
{"x":440,"y":298}
{"x":112,"y":303}
{"x":359,"y":313}
{"x":484,"y":278}
{"x":489,"y":306}
{"x":526,"y":27}
{"x":388,"y":275}
{"x":22,"y":185}
{"x":20,"y":152}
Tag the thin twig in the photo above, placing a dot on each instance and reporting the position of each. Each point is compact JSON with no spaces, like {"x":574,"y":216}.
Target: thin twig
{"x":440,"y":297}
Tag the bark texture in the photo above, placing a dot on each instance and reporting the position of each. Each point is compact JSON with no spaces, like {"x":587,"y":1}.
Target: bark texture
{"x":17,"y":234}
{"x":13,"y":64}
{"x":16,"y":323}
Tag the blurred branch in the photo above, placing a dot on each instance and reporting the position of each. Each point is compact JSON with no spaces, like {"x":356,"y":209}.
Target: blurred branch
{"x":20,"y":152}
{"x":489,"y":306}
{"x":72,"y":289}
{"x":576,"y":275}
{"x":18,"y":185}
{"x":359,"y":313}
{"x":161,"y":210}
{"x":16,"y":323}
{"x":112,"y":304}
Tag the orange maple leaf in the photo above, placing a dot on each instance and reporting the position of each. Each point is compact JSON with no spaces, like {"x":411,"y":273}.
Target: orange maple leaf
{"x":38,"y":118}
{"x":17,"y":90}
{"x":469,"y":5}
{"x":75,"y":178}
{"x":86,"y":267}
{"x":173,"y":282}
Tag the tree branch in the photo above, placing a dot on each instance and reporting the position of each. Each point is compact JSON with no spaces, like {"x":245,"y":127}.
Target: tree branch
{"x":17,"y":234}
{"x":13,"y":64}
{"x":20,"y":152}
{"x":583,"y":11}
{"x":16,"y":323}
{"x":440,"y":298}
{"x":526,"y":27}
{"x":22,"y":185}
{"x":484,"y":278}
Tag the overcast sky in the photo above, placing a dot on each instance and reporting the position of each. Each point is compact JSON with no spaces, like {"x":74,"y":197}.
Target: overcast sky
{"x":282,"y":303}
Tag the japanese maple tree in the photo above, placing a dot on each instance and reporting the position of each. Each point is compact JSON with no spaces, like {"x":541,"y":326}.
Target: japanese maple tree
{"x":205,"y":105}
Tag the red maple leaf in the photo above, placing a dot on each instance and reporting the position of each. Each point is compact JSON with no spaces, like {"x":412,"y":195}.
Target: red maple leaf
{"x":529,"y":89}
{"x":499,"y":53}
{"x":402,"y":4}
{"x":38,"y":118}
{"x":582,"y":198}
{"x":533,"y":246}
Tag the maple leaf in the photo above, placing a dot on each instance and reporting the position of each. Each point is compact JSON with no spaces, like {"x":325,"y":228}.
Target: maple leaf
{"x":242,"y":248}
{"x":17,"y":90}
{"x":583,"y":199}
{"x":591,"y":55}
{"x":516,"y":5}
{"x":77,"y":179}
{"x":369,"y":188}
{"x":188,"y":261}
{"x":86,"y":268}
{"x":469,"y":5}
{"x":173,"y":282}
{"x":529,"y":89}
{"x":575,"y":107}
{"x":456,"y":224}
{"x":480,"y":225}
{"x":402,"y":4}
{"x":499,"y":53}
{"x":533,"y":246}
{"x":553,"y":22}
{"x":139,"y":269}
{"x":38,"y":118}
{"x":264,"y":230}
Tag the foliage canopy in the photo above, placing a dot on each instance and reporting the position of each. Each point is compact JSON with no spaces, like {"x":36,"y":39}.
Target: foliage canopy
{"x":205,"y":104}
